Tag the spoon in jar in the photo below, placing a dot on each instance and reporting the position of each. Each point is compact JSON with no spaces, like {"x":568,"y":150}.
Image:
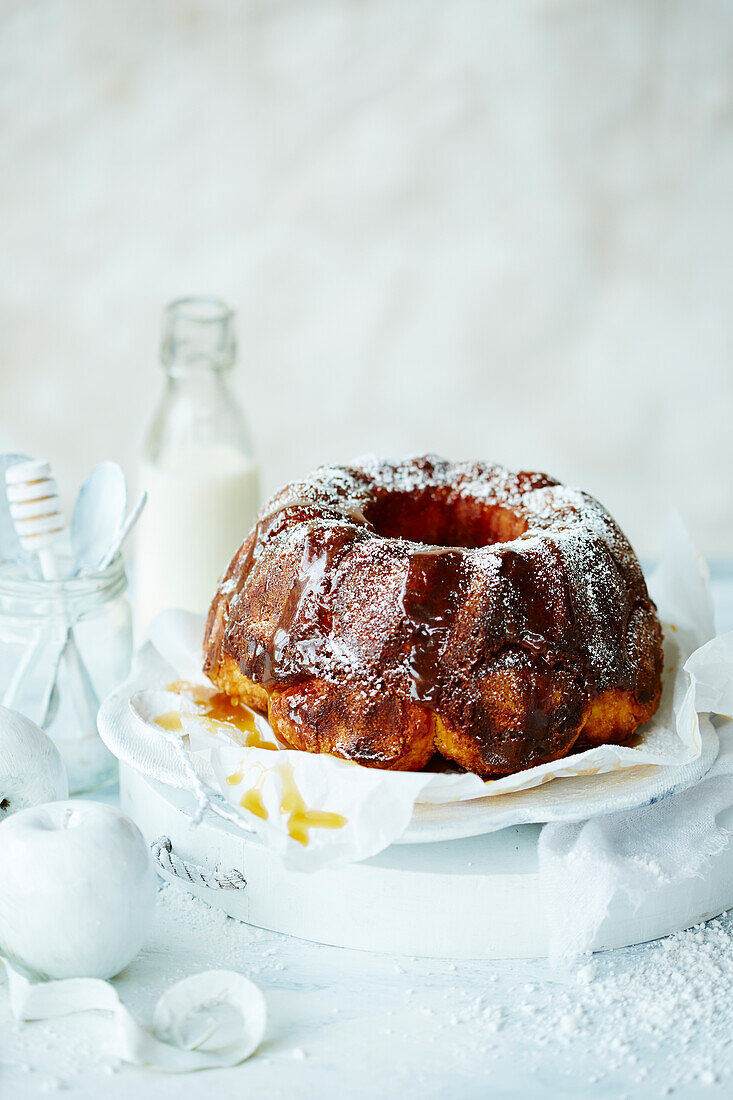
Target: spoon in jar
{"x":98,"y":523}
{"x":35,"y":509}
{"x":94,"y":548}
{"x":98,"y":515}
{"x":127,"y":525}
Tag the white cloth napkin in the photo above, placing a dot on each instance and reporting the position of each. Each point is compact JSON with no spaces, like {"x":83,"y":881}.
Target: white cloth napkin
{"x":212,"y":1019}
{"x":584,"y":865}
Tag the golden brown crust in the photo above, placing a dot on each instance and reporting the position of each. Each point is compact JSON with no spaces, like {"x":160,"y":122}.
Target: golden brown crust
{"x":505,"y":743}
{"x":228,"y":677}
{"x":517,"y":625}
{"x":381,"y":733}
{"x":615,"y":716}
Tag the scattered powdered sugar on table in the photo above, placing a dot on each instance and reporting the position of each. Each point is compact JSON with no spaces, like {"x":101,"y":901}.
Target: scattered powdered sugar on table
{"x":181,"y":913}
{"x":646,"y":1021}
{"x":660,"y":1014}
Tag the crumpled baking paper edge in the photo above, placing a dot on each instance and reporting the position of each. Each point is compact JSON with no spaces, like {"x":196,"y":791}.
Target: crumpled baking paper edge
{"x":165,"y":1048}
{"x":378,"y":804}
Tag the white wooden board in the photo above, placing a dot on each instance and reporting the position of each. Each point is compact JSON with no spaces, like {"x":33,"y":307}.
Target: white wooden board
{"x":471,"y":898}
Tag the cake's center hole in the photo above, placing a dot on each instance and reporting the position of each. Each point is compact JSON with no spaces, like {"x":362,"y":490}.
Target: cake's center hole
{"x":438,"y":517}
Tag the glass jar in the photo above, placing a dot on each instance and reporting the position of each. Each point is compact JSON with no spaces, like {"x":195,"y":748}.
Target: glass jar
{"x":198,"y":465}
{"x":64,"y":645}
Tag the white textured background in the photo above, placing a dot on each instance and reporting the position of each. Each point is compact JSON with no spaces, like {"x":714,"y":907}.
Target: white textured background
{"x":498,"y":229}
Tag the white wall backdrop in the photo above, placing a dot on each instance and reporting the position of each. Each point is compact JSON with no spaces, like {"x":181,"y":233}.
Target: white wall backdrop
{"x":497,"y":229}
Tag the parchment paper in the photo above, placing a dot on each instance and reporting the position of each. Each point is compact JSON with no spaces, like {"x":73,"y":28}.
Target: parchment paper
{"x":376,"y":805}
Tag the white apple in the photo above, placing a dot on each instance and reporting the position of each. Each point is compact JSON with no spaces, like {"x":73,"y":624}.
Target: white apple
{"x":31,"y":768}
{"x":77,"y":889}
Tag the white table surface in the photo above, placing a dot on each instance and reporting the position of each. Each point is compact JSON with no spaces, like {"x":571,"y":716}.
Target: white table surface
{"x":346,"y":1023}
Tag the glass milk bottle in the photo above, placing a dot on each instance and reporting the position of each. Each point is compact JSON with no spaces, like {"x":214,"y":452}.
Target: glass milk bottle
{"x":198,"y":465}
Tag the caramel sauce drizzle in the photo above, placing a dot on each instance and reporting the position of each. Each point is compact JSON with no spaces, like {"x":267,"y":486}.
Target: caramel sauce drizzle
{"x":171,"y":720}
{"x":252,"y":799}
{"x":300,"y":818}
{"x":215,"y":708}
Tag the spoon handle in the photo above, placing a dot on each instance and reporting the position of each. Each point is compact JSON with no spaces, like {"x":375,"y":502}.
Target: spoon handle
{"x":32,"y":684}
{"x":83,"y":695}
{"x":129,"y":522}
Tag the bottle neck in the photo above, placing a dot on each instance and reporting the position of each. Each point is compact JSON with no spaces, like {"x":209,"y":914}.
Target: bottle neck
{"x":203,"y":379}
{"x":197,"y":408}
{"x":198,"y":337}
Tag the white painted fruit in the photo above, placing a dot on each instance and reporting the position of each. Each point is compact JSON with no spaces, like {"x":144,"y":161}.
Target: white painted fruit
{"x":77,"y":889}
{"x":31,"y":768}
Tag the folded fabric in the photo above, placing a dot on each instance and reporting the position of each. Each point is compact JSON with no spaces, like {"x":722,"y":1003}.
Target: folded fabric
{"x":584,"y":865}
{"x":192,"y":1024}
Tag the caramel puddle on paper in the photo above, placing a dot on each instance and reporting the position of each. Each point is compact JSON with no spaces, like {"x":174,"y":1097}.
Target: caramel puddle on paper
{"x":252,"y":799}
{"x":215,"y":707}
{"x":171,"y":720}
{"x":300,"y":819}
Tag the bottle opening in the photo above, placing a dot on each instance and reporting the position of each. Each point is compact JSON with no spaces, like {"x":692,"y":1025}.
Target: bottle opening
{"x":202,"y":310}
{"x":198,"y":332}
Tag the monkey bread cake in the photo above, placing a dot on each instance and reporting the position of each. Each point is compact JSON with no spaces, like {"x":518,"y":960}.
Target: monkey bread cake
{"x":385,"y":612}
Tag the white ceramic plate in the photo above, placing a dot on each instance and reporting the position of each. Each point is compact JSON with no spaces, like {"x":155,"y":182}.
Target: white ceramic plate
{"x":574,"y":798}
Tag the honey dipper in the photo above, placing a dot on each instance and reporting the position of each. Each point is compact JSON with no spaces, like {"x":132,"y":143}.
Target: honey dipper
{"x":35,"y":508}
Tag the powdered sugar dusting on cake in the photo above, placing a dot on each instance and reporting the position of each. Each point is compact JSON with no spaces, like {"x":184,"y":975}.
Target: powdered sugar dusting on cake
{"x":561,"y":517}
{"x":540,"y":576}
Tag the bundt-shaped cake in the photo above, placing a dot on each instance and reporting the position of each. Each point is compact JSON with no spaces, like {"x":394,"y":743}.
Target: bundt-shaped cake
{"x":385,"y":611}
